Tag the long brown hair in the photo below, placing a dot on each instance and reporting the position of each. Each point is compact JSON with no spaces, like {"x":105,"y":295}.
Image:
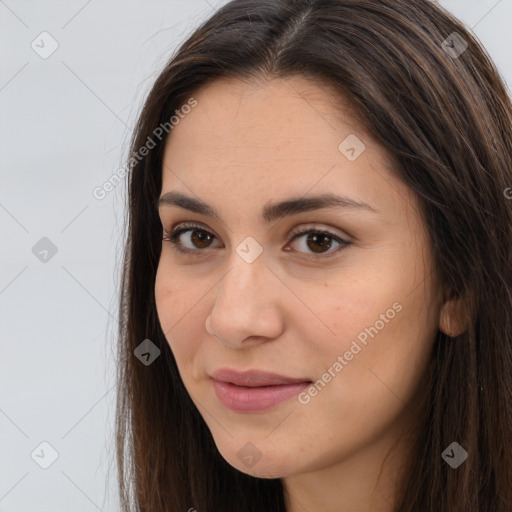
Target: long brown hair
{"x":443,"y":113}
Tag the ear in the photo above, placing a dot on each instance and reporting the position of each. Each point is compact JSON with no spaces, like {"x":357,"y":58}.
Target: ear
{"x":452,"y":319}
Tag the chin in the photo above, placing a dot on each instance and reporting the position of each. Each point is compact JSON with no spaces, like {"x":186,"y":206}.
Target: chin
{"x":250,"y":461}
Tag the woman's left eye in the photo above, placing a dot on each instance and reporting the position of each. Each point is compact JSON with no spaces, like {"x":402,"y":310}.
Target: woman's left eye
{"x":321,"y":239}
{"x":318,"y":240}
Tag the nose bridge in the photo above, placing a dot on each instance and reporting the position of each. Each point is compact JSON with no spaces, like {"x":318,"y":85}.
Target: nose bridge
{"x":245,"y":278}
{"x":244,"y":303}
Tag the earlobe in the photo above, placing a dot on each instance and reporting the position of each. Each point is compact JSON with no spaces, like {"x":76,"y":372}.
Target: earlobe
{"x":452,"y":318}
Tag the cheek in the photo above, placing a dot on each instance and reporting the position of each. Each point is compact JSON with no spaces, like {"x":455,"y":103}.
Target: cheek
{"x":180,"y":309}
{"x":384,"y":300}
{"x":352,"y":304}
{"x":384,"y":335}
{"x":175,"y":296}
{"x":165,"y":299}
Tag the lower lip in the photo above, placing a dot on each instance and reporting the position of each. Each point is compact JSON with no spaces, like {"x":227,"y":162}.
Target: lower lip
{"x":240,"y":399}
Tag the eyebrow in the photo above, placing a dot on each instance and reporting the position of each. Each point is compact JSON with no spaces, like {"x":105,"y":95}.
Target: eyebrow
{"x":272,"y":211}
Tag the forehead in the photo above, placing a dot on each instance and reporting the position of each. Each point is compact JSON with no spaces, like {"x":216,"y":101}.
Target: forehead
{"x":277,"y":114}
{"x":275,"y":137}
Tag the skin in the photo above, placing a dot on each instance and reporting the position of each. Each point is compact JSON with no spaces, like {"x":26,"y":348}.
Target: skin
{"x":243,"y":146}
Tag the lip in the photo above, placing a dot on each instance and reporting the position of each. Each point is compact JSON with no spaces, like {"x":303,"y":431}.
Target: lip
{"x":253,"y":378}
{"x":254,"y":390}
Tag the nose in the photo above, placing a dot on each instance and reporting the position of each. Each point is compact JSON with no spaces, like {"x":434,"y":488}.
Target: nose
{"x":246,"y":307}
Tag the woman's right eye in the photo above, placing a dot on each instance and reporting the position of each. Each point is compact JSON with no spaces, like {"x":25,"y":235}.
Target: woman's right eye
{"x":197,"y":236}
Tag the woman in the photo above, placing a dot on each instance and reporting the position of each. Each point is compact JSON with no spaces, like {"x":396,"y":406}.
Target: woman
{"x":316,"y":290}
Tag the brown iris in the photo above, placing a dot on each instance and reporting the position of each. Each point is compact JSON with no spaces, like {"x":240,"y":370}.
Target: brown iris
{"x":319,"y":238}
{"x":202,"y":237}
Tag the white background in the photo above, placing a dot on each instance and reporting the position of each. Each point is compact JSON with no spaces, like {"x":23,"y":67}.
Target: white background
{"x":65,"y":122}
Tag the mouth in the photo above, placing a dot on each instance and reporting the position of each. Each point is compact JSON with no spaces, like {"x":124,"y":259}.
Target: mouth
{"x":254,"y":390}
{"x":254,"y":378}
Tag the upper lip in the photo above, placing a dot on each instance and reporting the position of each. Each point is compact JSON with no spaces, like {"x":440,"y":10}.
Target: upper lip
{"x":253,"y":378}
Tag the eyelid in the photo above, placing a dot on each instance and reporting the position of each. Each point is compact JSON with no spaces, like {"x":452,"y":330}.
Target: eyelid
{"x":308,"y":226}
{"x":320,"y":227}
{"x":173,"y":235}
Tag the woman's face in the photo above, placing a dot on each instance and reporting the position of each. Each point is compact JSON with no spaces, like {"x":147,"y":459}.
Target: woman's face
{"x":348,"y":309}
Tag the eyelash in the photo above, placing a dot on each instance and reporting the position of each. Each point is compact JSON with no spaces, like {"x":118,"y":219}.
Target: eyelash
{"x":174,"y":235}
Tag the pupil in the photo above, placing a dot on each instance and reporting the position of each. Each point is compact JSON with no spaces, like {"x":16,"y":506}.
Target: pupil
{"x":323,"y":239}
{"x":202,"y":235}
